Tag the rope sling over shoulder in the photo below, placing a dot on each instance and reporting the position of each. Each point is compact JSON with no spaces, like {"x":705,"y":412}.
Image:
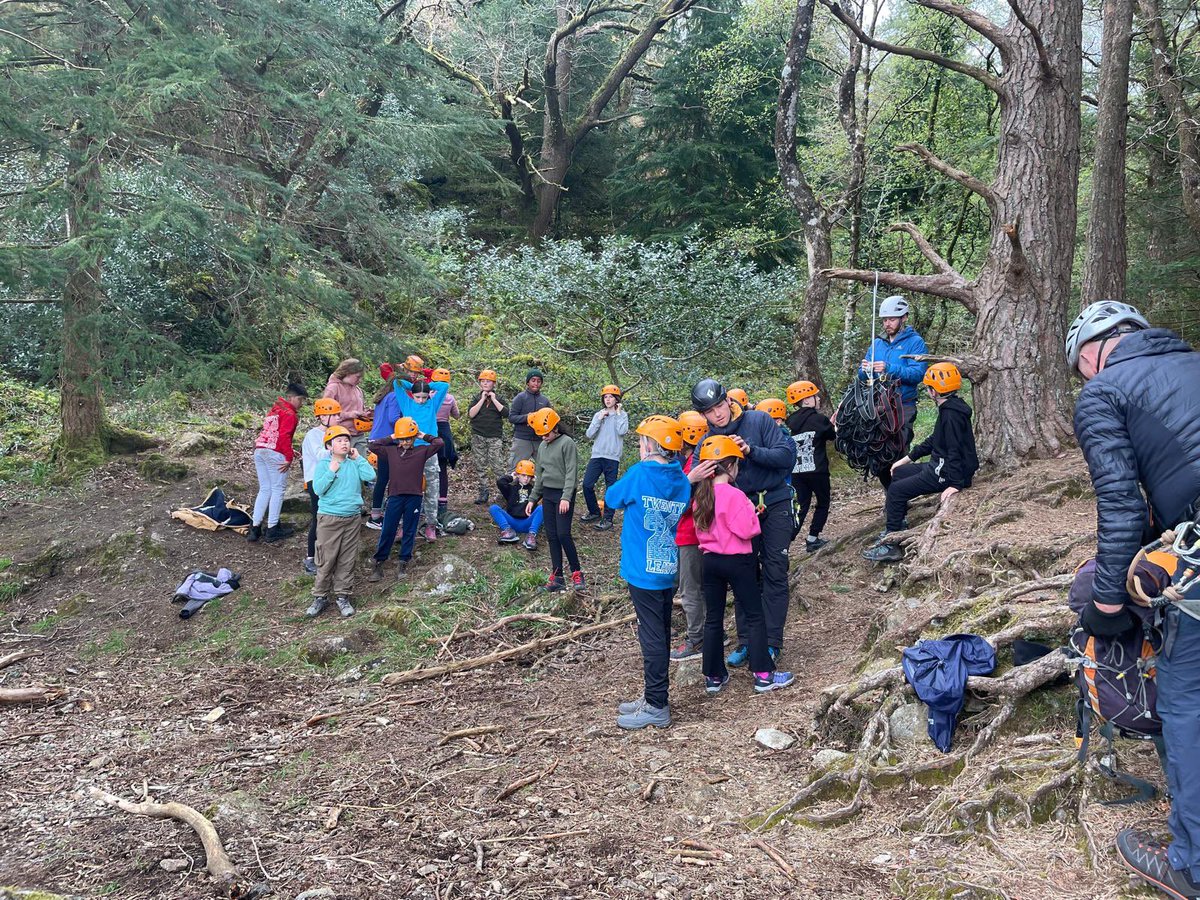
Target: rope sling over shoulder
{"x":870,"y":417}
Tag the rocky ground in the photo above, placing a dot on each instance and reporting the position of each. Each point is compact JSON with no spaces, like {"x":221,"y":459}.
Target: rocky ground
{"x":323,"y":781}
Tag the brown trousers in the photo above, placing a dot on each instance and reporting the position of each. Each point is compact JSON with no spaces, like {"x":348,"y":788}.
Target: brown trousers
{"x":336,"y":554}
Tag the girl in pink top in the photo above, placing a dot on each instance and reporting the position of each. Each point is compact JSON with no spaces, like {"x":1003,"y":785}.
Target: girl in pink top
{"x":726,"y":525}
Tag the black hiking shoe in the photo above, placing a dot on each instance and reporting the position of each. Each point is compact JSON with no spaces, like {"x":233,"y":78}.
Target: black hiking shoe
{"x":604,"y":525}
{"x":1146,"y":857}
{"x":812,"y":545}
{"x":590,"y":517}
{"x":254,"y":533}
{"x":482,"y":498}
{"x":278,"y":532}
{"x":376,"y":572}
{"x":882,"y":552}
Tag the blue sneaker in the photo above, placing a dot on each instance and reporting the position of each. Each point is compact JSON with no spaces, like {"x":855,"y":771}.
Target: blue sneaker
{"x":738,"y":657}
{"x":765,"y":682}
{"x":715,"y":685}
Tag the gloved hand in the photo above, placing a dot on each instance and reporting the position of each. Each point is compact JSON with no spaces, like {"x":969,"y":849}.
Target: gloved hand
{"x":1102,"y":624}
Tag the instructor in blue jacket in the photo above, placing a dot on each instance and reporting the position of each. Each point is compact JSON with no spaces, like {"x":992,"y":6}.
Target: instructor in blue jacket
{"x":886,"y":357}
{"x":765,"y":477}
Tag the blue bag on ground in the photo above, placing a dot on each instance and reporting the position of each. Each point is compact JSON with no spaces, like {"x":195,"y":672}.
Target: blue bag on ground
{"x":938,"y":671}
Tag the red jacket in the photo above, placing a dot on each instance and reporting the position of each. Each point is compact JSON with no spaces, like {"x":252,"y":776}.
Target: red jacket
{"x":685,"y":534}
{"x":279,"y":427}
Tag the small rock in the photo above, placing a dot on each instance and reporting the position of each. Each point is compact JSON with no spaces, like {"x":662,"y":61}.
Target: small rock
{"x":908,"y":724}
{"x":689,"y":671}
{"x":214,"y":715}
{"x":829,"y":758}
{"x":522,"y":860}
{"x":773,"y":739}
{"x":882,"y":859}
{"x":323,"y":651}
{"x":445,"y":576}
{"x":395,"y":618}
{"x":316,"y":894}
{"x":194,"y":443}
{"x":173,"y":865}
{"x":427,"y":869}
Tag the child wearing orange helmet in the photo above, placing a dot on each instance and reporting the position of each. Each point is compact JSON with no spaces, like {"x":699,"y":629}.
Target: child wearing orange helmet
{"x":511,"y":518}
{"x":488,"y":412}
{"x":811,"y":430}
{"x":607,"y":429}
{"x":327,"y":412}
{"x":555,"y":481}
{"x":952,"y":460}
{"x":693,"y":427}
{"x":338,"y":482}
{"x":407,"y":452}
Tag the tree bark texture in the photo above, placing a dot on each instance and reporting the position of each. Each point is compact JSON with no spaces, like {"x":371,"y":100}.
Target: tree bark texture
{"x":1106,"y":259}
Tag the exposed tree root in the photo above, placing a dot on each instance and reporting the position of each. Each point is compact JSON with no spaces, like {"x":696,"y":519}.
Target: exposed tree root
{"x":34,"y":693}
{"x":14,"y":658}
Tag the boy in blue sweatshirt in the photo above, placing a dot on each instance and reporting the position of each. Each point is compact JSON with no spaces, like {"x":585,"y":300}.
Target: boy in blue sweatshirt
{"x":420,"y":401}
{"x":654,"y":494}
{"x":337,"y":482}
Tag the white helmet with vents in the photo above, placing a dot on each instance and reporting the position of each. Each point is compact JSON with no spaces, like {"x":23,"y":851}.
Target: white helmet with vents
{"x":1098,"y":318}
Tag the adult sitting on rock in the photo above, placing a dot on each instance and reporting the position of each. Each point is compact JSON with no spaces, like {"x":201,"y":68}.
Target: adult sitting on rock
{"x":525,"y":443}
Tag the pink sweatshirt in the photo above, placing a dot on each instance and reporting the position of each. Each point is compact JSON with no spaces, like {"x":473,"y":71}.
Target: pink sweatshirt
{"x":734,"y":523}
{"x":350,"y":396}
{"x":448,"y":408}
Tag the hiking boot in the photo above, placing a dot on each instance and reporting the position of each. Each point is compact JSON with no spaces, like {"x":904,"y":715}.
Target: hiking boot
{"x":530,"y":542}
{"x":883,"y":534}
{"x":482,"y":497}
{"x":254,"y":533}
{"x":577,"y":582}
{"x":555,"y":585}
{"x":374,"y":524}
{"x":765,"y":682}
{"x":376,"y":571}
{"x":882,"y":552}
{"x":715,"y":685}
{"x":278,"y":532}
{"x":812,"y":545}
{"x":317,"y":607}
{"x":659,"y":717}
{"x":430,"y":533}
{"x":629,"y":707}
{"x":604,"y":525}
{"x":507,"y":536}
{"x":590,"y":517}
{"x":738,"y":657}
{"x":1146,"y":857}
{"x":310,"y":565}
{"x":344,"y":607}
{"x":402,"y":568}
{"x":686,"y":650}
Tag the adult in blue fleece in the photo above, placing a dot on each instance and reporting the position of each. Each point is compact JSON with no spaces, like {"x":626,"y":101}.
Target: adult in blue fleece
{"x":1138,"y":423}
{"x":660,"y":492}
{"x":886,"y":357}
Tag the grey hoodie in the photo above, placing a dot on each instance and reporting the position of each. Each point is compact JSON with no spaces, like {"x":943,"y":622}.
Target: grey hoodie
{"x":606,"y":433}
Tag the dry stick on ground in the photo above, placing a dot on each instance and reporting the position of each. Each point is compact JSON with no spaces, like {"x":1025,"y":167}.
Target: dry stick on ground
{"x":14,"y":658}
{"x":784,"y":866}
{"x":218,"y":863}
{"x":468,"y":732}
{"x":34,"y":693}
{"x":478,"y":662}
{"x":526,"y":781}
{"x":496,"y":626}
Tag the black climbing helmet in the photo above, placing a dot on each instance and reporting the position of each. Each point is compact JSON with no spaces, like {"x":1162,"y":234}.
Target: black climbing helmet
{"x":707,"y":393}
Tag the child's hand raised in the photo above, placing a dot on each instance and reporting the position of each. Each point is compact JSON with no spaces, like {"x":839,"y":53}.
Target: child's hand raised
{"x":354,"y":454}
{"x":704,"y":469}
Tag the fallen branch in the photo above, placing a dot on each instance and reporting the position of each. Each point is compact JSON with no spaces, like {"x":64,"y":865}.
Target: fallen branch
{"x":463,"y":665}
{"x":553,"y":836}
{"x":496,"y":626}
{"x":218,"y":863}
{"x":526,"y":782}
{"x":14,"y":658}
{"x":34,"y":693}
{"x":468,"y":732}
{"x":784,"y":866}
{"x":648,"y":790}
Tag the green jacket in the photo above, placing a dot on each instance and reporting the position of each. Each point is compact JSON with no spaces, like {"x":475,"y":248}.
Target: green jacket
{"x":557,"y":467}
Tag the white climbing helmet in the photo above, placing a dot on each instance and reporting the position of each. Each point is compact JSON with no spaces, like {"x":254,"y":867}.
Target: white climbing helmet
{"x":893,"y":307}
{"x":1095,"y":320}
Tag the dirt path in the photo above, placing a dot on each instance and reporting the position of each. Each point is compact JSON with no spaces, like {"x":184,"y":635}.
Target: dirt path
{"x":373,"y":803}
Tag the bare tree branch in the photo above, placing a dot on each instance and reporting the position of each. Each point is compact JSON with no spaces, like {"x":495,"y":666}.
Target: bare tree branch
{"x":974,"y":20}
{"x":952,"y":287}
{"x":927,"y":250}
{"x":966,"y":179}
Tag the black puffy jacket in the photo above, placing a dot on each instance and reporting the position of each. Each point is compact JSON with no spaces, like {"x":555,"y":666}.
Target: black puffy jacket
{"x":1138,"y":424}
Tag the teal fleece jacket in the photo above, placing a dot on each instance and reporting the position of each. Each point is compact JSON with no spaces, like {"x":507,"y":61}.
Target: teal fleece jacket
{"x":340,"y":493}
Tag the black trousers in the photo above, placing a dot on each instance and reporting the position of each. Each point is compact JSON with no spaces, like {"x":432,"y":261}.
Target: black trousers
{"x":909,"y":482}
{"x":808,"y":485}
{"x":558,"y":530}
{"x":653,"y":610}
{"x":771,"y":548}
{"x":910,"y":415}
{"x":312,"y":526}
{"x":739,"y":573}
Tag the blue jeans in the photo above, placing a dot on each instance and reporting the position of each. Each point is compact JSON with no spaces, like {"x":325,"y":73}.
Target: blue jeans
{"x":404,"y":508}
{"x":530,"y":524}
{"x":1179,"y":707}
{"x":271,"y":485}
{"x":596,"y":467}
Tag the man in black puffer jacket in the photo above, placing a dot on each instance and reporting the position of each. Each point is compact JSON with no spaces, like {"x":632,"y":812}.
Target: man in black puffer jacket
{"x":764,"y":477}
{"x":952,"y":459}
{"x":1138,"y":424}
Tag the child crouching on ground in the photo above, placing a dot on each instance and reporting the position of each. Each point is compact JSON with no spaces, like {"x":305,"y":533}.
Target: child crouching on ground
{"x":338,"y":482}
{"x":515,"y":490}
{"x":406,"y":465}
{"x":312,"y":449}
{"x":693,"y":426}
{"x":557,"y":475}
{"x":811,"y":430}
{"x":726,"y":525}
{"x":654,"y":493}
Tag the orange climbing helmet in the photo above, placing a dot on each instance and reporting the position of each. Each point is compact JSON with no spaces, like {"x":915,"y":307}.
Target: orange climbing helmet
{"x":440,"y":375}
{"x":372,"y":459}
{"x":610,"y":389}
{"x":405,"y":428}
{"x":943,"y":377}
{"x":543,"y":421}
{"x":720,"y":446}
{"x":525,"y":467}
{"x":801,"y":390}
{"x":742,"y":398}
{"x":414,"y":364}
{"x":663,"y":430}
{"x":361,"y":425}
{"x":335,"y":431}
{"x":488,"y":375}
{"x":774,"y":408}
{"x":326,"y":406}
{"x":693,"y":426}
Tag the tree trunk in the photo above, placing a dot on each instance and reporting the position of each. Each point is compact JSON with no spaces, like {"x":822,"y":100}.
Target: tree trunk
{"x":1021,"y":295}
{"x":1105,"y":260}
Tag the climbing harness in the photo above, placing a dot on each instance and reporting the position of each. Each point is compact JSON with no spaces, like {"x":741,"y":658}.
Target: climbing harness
{"x":870,"y":417}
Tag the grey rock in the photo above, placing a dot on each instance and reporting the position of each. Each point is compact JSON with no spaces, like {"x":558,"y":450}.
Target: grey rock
{"x":908,"y":724}
{"x":773,"y":739}
{"x":689,"y":671}
{"x":194,"y":443}
{"x":324,"y":651}
{"x":829,"y":758}
{"x":239,"y":811}
{"x":316,"y":894}
{"x":451,"y":571}
{"x":173,"y":865}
